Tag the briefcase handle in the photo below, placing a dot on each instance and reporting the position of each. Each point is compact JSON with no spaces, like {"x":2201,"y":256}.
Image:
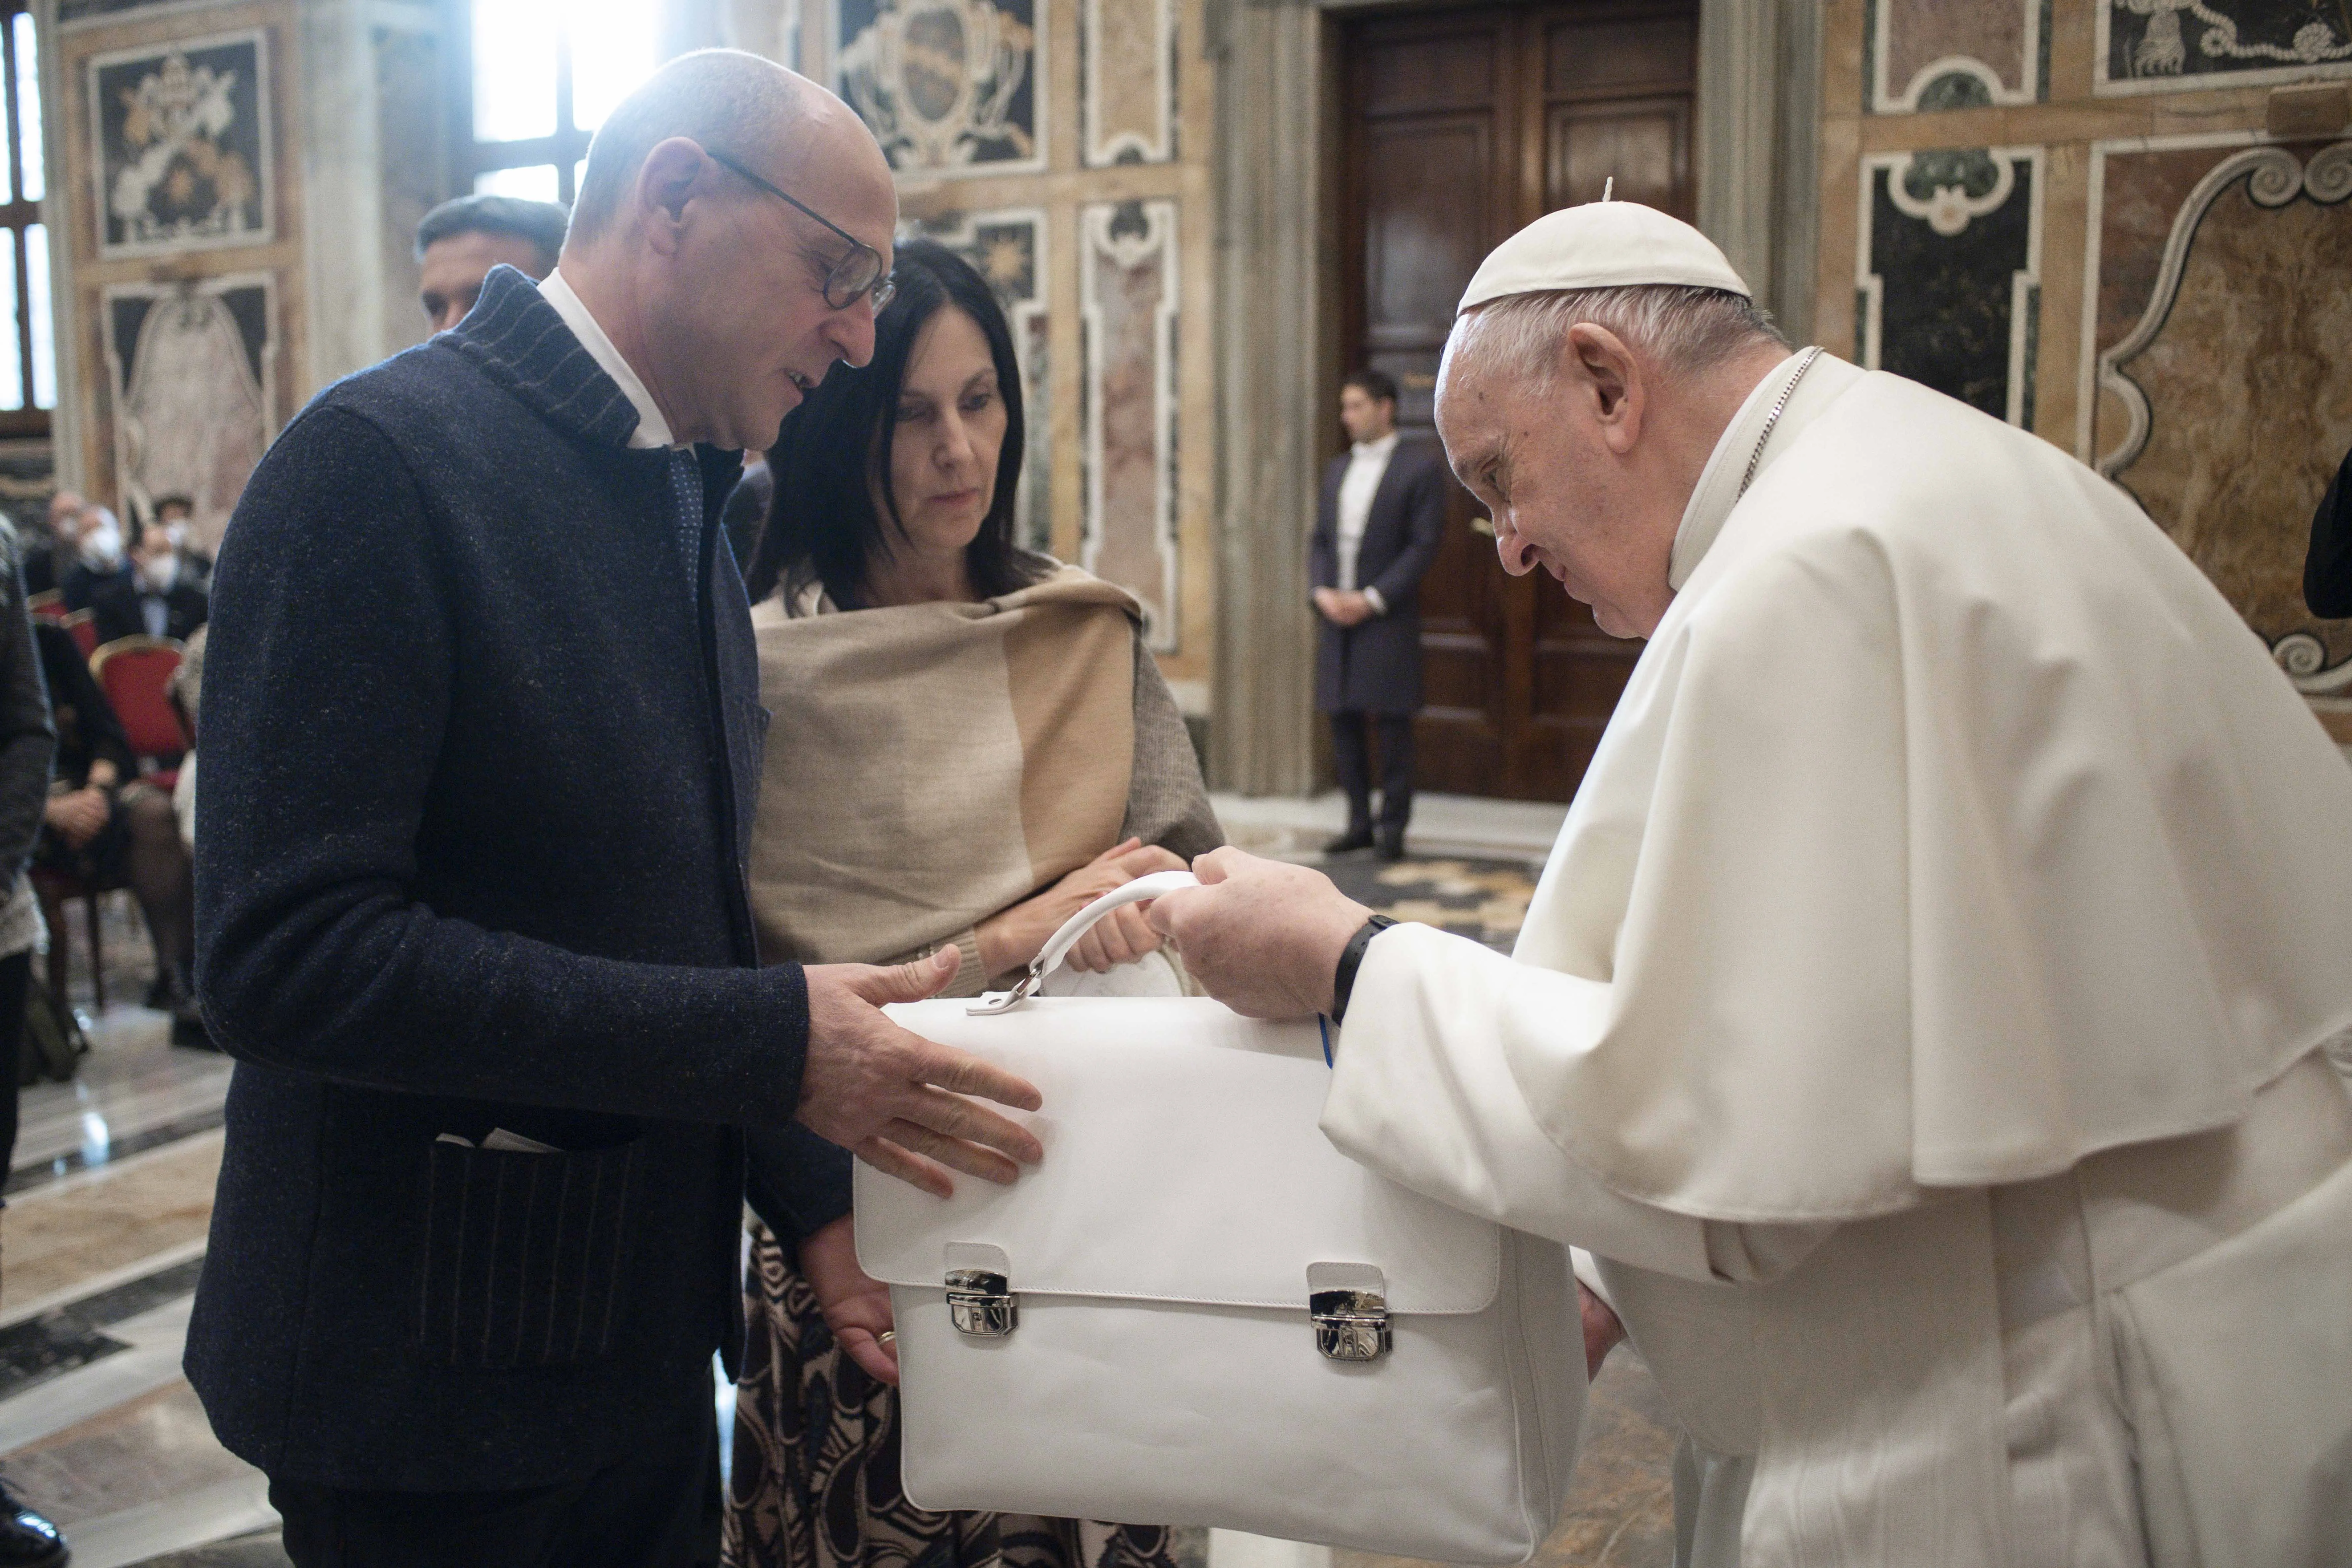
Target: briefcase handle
{"x":1058,"y":945}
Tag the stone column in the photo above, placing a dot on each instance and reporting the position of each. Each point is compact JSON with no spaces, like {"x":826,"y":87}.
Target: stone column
{"x":1271,"y":366}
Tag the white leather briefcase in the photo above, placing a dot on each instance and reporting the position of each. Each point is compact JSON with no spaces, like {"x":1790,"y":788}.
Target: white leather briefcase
{"x":1197,"y":1312}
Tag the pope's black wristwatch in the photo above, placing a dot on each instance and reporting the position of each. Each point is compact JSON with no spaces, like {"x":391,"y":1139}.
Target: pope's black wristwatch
{"x":1351,"y":956}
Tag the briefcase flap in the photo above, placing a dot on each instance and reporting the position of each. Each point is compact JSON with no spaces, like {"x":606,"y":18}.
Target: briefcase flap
{"x":1182,"y":1164}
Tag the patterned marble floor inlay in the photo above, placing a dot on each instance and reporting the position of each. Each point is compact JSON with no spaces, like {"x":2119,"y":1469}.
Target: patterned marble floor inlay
{"x":40,"y":1348}
{"x":1485,"y":901}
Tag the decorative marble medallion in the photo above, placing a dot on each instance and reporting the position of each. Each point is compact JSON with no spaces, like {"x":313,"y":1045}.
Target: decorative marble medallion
{"x":1127,"y":294}
{"x":2166,"y":45}
{"x":945,"y":84}
{"x":183,"y":140}
{"x":2234,"y":396}
{"x":190,"y":373}
{"x":1008,"y":247}
{"x":1126,"y":58}
{"x":1948,"y":273}
{"x":1932,"y":54}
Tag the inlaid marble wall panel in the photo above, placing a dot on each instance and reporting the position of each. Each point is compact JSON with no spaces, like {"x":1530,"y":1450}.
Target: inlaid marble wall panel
{"x":1948,"y":282}
{"x":2219,"y":324}
{"x":1931,"y":55}
{"x":1127,"y":61}
{"x":190,"y":372}
{"x":1008,"y":248}
{"x":945,"y":84}
{"x":181,"y":204}
{"x":1128,"y":295}
{"x":2165,"y":45}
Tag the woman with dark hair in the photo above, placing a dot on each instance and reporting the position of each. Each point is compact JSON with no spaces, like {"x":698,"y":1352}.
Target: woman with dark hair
{"x":971,"y":743}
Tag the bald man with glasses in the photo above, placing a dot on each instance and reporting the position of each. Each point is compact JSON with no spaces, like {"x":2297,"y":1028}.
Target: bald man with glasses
{"x":481,"y":745}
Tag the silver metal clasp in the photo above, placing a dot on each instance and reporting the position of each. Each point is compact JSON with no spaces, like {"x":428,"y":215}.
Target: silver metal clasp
{"x":1351,"y":1325}
{"x":980,"y":1303}
{"x":991,"y":1003}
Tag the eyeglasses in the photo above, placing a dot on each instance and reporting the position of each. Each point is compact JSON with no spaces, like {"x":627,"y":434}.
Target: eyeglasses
{"x":858,"y":273}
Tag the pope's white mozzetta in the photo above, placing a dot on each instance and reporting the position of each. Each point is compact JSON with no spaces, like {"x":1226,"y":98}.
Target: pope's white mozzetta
{"x":1921,"y":1013}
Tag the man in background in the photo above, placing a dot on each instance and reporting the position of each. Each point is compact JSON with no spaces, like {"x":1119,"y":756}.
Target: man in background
{"x":459,"y":241}
{"x":157,"y":598}
{"x":1376,"y":532}
{"x":94,"y":557}
{"x":178,"y":515}
{"x":48,"y":555}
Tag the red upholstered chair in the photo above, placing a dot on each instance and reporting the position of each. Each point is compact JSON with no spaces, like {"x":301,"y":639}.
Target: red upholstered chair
{"x":84,"y":631}
{"x":49,"y":604}
{"x":135,"y":673}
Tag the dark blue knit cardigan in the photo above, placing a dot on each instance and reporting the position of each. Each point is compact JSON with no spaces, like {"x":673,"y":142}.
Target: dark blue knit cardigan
{"x":474,"y":812}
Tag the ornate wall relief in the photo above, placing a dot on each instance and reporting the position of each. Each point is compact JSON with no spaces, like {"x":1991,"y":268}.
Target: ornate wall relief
{"x":2164,"y":46}
{"x":1008,"y":248}
{"x":2229,"y":390}
{"x":1127,"y":310}
{"x":190,"y":368}
{"x":1932,"y":54}
{"x":1127,"y":56}
{"x":184,"y":145}
{"x":1948,"y":273}
{"x":945,"y":84}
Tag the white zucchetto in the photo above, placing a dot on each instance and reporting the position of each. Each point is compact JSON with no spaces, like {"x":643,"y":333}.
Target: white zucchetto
{"x":1602,"y":245}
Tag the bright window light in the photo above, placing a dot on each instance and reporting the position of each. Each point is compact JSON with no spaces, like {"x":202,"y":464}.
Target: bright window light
{"x":534,"y":184}
{"x":29,"y":105}
{"x":36,"y":307}
{"x":514,"y":68}
{"x":12,"y":372}
{"x":616,"y":44}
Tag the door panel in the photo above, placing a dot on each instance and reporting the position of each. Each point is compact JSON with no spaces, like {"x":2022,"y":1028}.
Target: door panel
{"x":1460,"y":126}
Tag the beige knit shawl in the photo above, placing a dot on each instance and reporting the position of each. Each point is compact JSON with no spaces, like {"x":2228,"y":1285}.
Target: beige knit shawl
{"x":929,"y":764}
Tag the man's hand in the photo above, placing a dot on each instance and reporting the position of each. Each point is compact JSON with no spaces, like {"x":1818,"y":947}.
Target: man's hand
{"x":1262,"y":937}
{"x":894,"y":1099}
{"x":76,"y":816}
{"x":855,"y":1305}
{"x":1347,"y":608}
{"x":1601,"y":1330}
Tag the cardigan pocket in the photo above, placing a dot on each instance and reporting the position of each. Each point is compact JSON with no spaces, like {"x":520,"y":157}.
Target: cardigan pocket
{"x":523,"y":1253}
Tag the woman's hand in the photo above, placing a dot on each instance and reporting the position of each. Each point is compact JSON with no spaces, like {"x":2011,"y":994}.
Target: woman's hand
{"x":76,"y":816}
{"x":1010,"y":938}
{"x":855,"y":1305}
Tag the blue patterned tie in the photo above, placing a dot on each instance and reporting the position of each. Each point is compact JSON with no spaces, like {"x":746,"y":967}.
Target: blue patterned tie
{"x":686,"y":490}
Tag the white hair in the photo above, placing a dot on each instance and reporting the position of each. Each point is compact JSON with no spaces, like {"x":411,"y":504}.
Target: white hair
{"x":1682,"y":330}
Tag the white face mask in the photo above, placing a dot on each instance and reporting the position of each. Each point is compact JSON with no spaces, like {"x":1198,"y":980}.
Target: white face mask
{"x":177,"y":532}
{"x":158,"y":576}
{"x":102,"y":546}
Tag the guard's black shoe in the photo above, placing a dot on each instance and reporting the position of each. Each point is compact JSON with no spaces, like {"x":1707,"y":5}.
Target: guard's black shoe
{"x":1348,"y":843}
{"x":27,"y":1539}
{"x":1391,"y":845}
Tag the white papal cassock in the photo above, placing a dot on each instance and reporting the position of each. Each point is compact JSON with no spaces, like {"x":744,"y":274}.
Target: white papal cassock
{"x":1918,"y":1017}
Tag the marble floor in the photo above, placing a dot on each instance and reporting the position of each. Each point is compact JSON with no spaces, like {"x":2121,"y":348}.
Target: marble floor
{"x":104,"y":1235}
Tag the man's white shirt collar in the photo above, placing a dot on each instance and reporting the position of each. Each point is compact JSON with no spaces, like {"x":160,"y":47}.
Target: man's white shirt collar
{"x":1368,"y":451}
{"x":651,"y":430}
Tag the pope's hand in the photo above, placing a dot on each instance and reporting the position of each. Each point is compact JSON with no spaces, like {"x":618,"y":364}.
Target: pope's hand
{"x":1262,"y":937}
{"x":895,"y":1099}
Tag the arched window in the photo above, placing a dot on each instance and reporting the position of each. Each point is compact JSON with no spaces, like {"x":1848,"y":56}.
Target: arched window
{"x":536,"y":77}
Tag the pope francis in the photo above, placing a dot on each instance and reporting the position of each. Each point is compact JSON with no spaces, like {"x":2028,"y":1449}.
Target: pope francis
{"x":1922,"y":1015}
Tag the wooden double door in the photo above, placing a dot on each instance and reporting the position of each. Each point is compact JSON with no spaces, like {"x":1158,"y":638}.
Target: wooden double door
{"x":1461,"y":125}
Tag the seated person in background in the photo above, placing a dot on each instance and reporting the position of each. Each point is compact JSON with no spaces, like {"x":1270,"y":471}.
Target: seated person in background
{"x":178,"y":515}
{"x":156,"y":599}
{"x":106,"y":827}
{"x":46,"y":556}
{"x":95,"y":558}
{"x":459,"y":241}
{"x":970,"y":743}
